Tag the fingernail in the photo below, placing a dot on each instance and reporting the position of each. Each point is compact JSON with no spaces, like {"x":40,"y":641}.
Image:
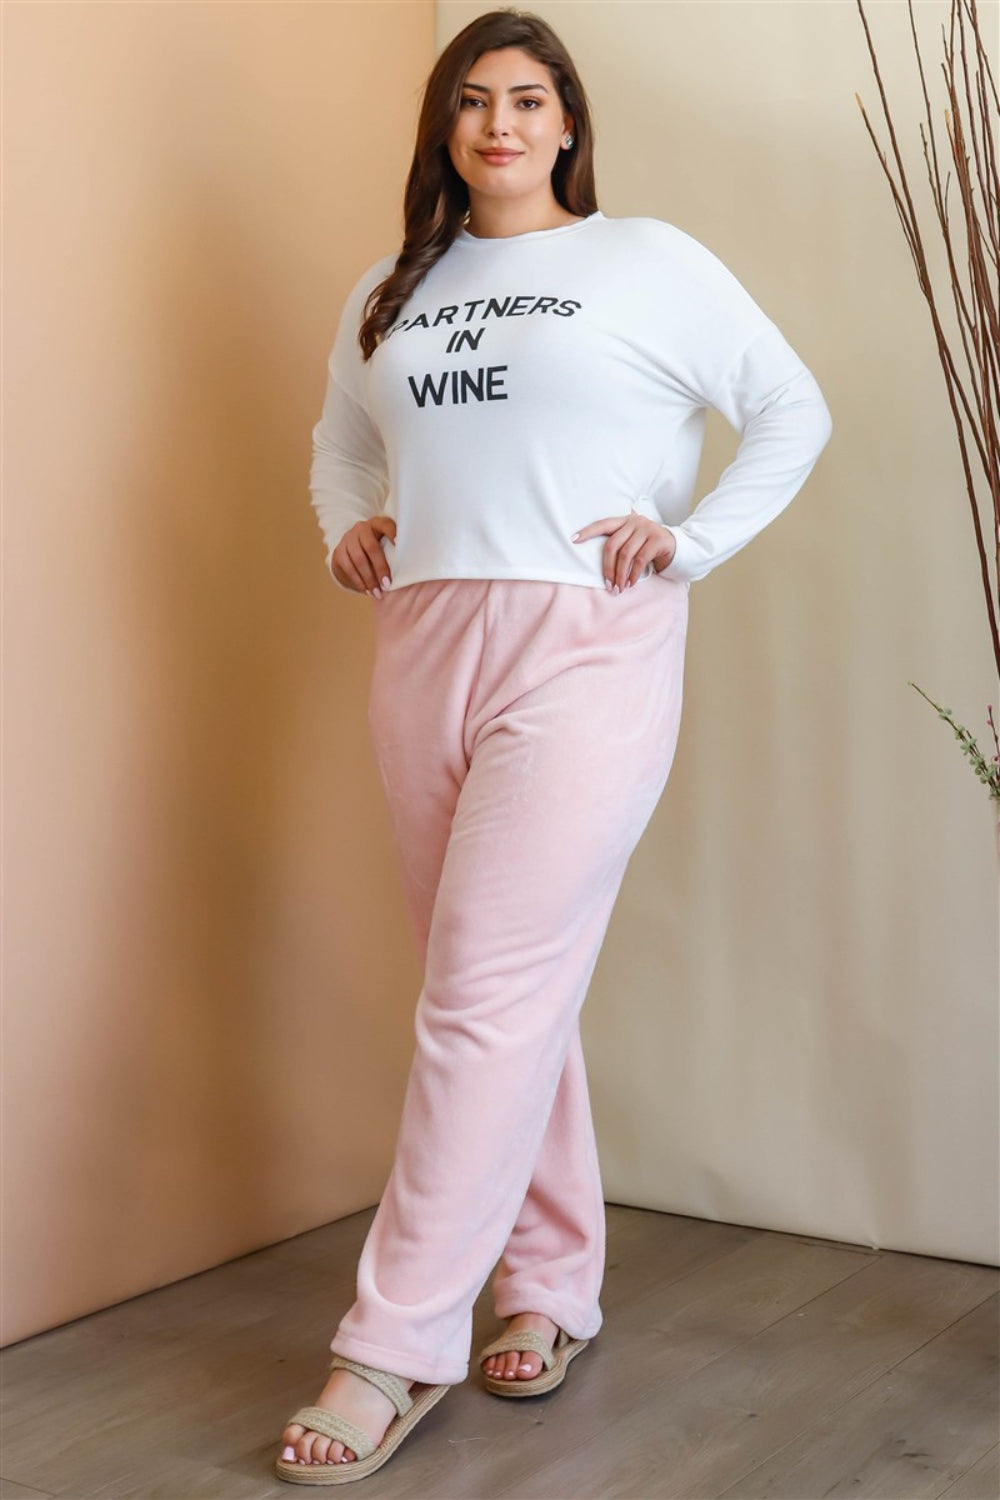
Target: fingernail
{"x":607,"y":584}
{"x":288,"y":1453}
{"x":385,"y":583}
{"x":575,"y":537}
{"x":615,"y":590}
{"x":376,"y":593}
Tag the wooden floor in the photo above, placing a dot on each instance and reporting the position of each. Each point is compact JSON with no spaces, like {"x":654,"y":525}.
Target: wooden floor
{"x":732,"y":1363}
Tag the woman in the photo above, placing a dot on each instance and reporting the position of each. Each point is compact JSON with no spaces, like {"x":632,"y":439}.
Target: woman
{"x":505,"y":465}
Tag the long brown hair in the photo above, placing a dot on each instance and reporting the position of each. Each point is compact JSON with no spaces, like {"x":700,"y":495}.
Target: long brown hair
{"x":437,"y":198}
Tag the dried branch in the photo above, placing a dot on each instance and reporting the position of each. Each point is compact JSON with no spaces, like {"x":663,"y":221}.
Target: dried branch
{"x":970,"y":363}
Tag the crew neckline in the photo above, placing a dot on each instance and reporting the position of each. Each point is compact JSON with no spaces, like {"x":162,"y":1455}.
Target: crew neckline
{"x":528,"y":234}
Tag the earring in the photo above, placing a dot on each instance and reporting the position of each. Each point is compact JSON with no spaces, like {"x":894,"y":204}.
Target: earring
{"x":569,"y":140}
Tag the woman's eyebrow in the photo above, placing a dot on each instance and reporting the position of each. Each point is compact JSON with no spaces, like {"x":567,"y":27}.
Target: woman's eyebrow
{"x":518,"y":88}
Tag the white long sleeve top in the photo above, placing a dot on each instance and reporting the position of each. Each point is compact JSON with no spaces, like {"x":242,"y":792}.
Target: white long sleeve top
{"x":537,"y":382}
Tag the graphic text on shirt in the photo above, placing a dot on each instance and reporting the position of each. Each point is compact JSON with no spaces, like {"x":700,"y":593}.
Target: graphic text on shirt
{"x":457,"y":387}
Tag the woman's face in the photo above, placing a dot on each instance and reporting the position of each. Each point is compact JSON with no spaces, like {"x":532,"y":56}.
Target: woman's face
{"x":509,"y":102}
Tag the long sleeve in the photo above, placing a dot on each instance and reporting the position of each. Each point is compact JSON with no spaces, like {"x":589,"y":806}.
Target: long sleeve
{"x":770,"y":397}
{"x":349,"y":478}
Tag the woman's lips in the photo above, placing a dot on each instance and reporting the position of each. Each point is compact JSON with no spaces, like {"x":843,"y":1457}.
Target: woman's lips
{"x":497,"y":158}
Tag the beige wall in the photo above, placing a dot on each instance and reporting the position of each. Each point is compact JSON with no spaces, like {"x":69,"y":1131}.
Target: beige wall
{"x":793,"y":1023}
{"x":207,"y":971}
{"x":201,"y":984}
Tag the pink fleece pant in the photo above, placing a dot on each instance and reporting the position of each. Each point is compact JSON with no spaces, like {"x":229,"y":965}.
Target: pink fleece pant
{"x":524,"y":731}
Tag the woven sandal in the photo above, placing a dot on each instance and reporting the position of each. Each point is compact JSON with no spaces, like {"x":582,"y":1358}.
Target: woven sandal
{"x":410,"y":1406}
{"x":555,"y":1358}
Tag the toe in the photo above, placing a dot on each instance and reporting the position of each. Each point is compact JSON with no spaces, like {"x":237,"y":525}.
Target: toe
{"x":294,"y":1443}
{"x":304,"y":1447}
{"x":328,"y":1450}
{"x":529,"y":1366}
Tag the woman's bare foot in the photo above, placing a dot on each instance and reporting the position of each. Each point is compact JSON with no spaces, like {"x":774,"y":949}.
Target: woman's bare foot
{"x":350,"y":1396}
{"x":521,"y":1364}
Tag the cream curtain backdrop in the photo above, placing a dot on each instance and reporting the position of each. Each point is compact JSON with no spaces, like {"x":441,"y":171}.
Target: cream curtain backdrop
{"x":207,"y":977}
{"x":793,"y":1023}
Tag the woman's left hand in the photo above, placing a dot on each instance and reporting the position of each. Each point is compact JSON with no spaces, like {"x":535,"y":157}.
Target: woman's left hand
{"x":633,"y":541}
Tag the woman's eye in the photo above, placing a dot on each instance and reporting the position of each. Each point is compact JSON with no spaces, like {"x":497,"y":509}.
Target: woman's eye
{"x":471,"y":99}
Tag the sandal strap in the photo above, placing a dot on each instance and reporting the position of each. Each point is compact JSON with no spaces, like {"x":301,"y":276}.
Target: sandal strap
{"x":389,"y":1384}
{"x":331,"y":1425}
{"x":521,"y":1338}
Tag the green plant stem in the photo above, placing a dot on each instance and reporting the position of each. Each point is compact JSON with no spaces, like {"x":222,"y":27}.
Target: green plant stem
{"x":987,"y":773}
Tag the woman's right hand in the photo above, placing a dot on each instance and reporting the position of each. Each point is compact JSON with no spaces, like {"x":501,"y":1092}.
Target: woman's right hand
{"x":358,"y":560}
